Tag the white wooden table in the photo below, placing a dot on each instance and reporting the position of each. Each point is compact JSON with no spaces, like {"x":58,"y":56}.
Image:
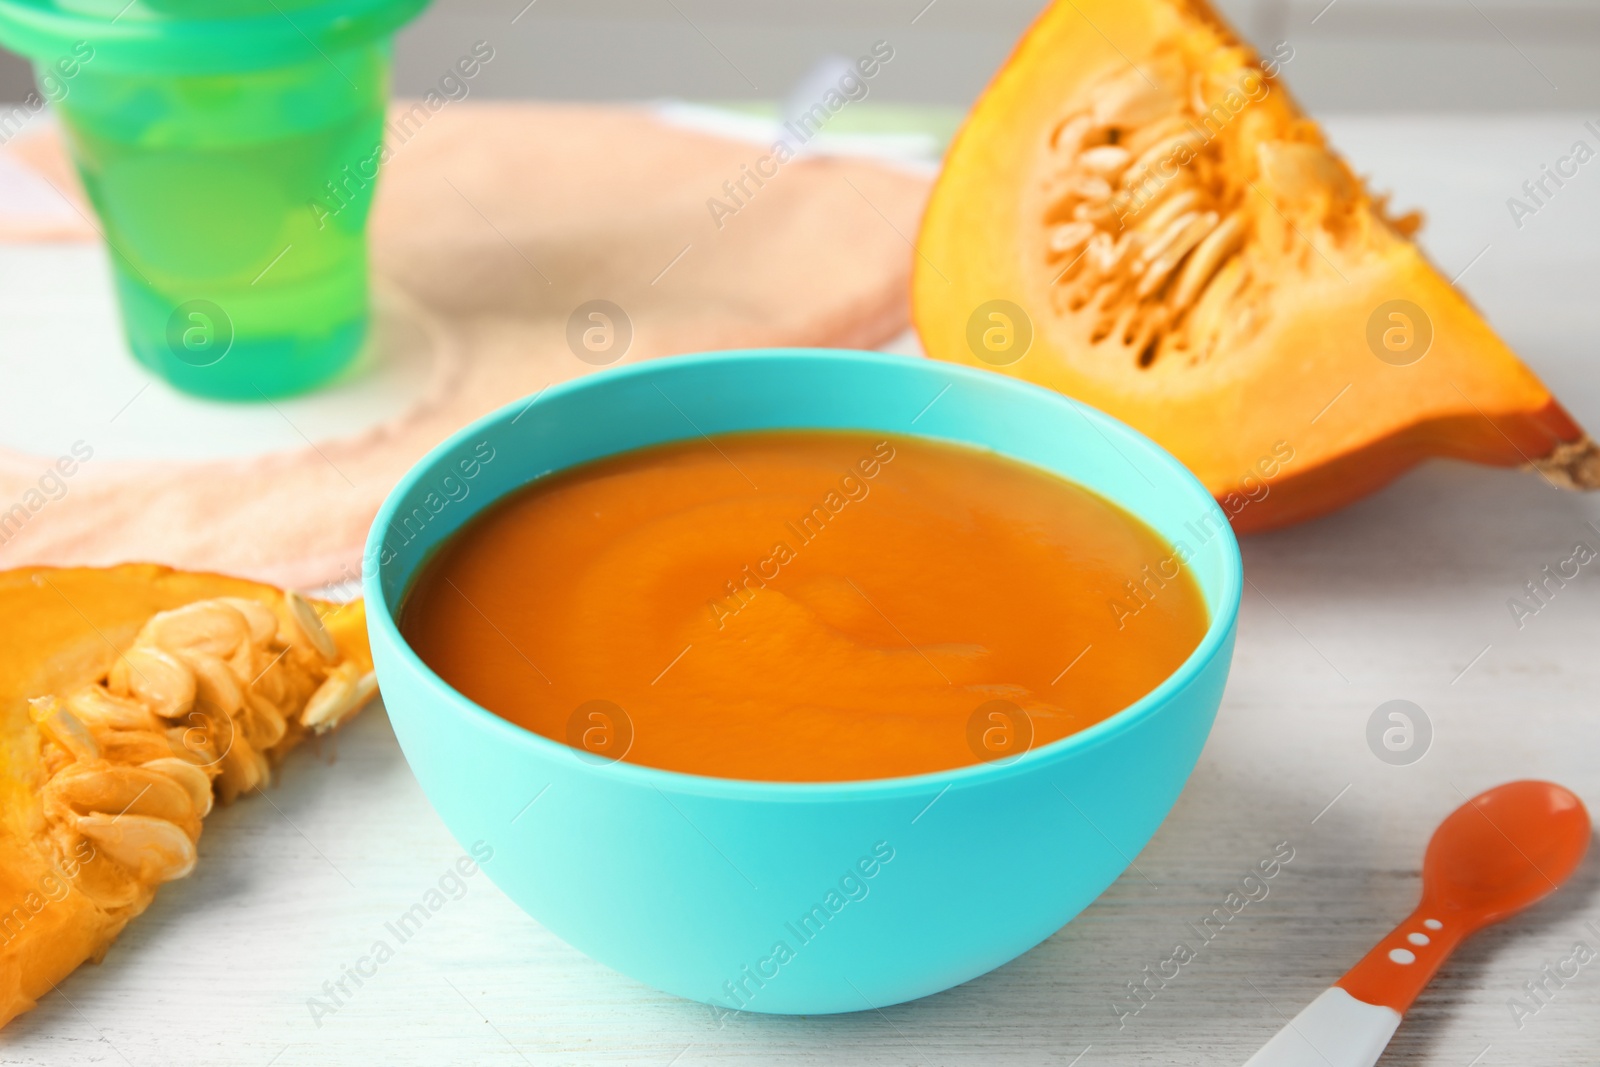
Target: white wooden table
{"x":1403,"y":596}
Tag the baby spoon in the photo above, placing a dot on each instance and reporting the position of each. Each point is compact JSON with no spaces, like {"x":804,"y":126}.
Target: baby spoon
{"x":1493,"y":856}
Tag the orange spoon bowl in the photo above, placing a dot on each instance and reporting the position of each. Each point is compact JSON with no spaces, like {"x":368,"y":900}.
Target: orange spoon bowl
{"x":1505,"y":850}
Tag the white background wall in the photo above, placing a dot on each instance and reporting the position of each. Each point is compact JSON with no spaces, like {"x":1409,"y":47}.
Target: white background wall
{"x":1358,"y":55}
{"x":1362,"y":55}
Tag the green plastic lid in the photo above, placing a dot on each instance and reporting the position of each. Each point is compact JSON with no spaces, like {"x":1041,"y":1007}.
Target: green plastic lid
{"x":193,"y":36}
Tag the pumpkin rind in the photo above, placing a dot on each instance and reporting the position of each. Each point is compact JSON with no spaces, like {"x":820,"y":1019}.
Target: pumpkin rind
{"x":1193,"y":259}
{"x":105,"y":775}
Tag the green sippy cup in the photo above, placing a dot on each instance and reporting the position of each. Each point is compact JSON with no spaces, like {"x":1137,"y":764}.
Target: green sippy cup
{"x":230,"y":149}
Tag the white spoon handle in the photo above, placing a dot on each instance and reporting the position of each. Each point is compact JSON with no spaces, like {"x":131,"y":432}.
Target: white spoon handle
{"x":1335,"y":1030}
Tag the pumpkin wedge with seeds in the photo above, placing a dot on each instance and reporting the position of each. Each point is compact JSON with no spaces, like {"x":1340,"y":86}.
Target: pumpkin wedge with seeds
{"x":130,"y":697}
{"x":1138,"y":215}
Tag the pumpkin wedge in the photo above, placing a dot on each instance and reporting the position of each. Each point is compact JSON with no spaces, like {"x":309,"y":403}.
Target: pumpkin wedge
{"x":129,"y":697}
{"x":1136,"y":214}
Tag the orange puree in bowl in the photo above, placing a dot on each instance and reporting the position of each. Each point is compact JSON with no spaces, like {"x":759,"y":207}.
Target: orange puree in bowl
{"x":804,"y":606}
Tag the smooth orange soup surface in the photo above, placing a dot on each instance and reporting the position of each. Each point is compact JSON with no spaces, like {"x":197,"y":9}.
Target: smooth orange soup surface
{"x":805,"y":606}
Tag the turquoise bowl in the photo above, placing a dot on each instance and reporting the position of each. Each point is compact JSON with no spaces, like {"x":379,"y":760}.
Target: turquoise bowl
{"x":799,"y":898}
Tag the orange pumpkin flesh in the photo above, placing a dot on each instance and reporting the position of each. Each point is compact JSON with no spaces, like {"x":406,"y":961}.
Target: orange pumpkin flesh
{"x":1190,"y":256}
{"x":127,"y":695}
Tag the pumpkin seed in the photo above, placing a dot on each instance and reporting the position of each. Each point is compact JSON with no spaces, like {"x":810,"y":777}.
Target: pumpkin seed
{"x":1207,"y":259}
{"x":310,"y":623}
{"x":215,"y":685}
{"x":159,"y":680}
{"x":153,"y":849}
{"x":1130,"y":100}
{"x":62,"y":727}
{"x":208,"y":626}
{"x":1184,"y":241}
{"x":98,"y":708}
{"x":1105,"y":161}
{"x":345,"y":690}
{"x":262,"y":621}
{"x":193,"y":780}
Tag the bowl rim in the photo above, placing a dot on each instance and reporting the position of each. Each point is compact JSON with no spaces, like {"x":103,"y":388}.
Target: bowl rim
{"x":1224,"y":616}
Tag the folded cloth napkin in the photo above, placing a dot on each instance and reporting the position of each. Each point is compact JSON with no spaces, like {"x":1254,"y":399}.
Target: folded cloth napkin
{"x":492,"y":224}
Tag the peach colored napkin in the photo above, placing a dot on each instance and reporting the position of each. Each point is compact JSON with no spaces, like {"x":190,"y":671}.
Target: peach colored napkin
{"x":493,"y":223}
